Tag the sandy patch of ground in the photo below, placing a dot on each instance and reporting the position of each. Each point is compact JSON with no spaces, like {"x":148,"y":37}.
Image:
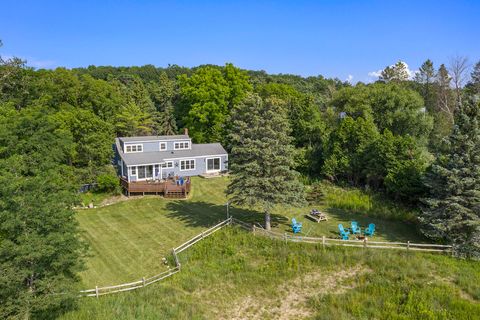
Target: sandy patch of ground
{"x":291,"y":301}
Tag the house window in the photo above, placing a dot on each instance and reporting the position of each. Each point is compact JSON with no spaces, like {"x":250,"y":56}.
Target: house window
{"x":163,"y":146}
{"x":133,"y":171}
{"x":187,"y":165}
{"x":213,"y":164}
{"x":145,"y":172}
{"x":168,"y":165}
{"x":134,"y":148}
{"x":181,"y":145}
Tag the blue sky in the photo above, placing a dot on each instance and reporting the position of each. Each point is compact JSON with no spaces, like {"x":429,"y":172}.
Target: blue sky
{"x":332,"y":38}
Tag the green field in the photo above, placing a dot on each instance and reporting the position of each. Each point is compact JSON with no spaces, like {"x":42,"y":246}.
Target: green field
{"x":234,"y":274}
{"x":128,"y":239}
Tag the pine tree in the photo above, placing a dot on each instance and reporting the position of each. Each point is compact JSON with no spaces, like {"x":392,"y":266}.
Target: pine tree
{"x":452,"y":210}
{"x":262,"y":157}
{"x":166,"y":123}
{"x":395,"y":73}
{"x":425,"y":77}
{"x":475,"y":79}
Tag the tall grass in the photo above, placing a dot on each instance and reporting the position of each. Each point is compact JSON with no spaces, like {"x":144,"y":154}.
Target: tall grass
{"x":364,"y":203}
{"x":233,"y":268}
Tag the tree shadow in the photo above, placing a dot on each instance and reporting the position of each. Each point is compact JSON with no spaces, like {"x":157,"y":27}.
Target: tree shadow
{"x":204,"y":214}
{"x":390,"y":230}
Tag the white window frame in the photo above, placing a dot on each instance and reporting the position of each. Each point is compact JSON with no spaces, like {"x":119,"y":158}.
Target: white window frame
{"x":219,"y":164}
{"x":181,"y":145}
{"x":132,"y":169}
{"x":168,"y":165}
{"x":162,"y":144}
{"x":136,"y":148}
{"x":190,"y":166}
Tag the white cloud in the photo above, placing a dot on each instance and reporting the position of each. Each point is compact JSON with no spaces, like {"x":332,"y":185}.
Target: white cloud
{"x":376,"y":74}
{"x":349,"y":78}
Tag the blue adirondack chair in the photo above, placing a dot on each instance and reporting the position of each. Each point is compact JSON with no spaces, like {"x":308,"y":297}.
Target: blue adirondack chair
{"x":296,"y":226}
{"x":343,"y":233}
{"x":355,"y":228}
{"x":370,"y":230}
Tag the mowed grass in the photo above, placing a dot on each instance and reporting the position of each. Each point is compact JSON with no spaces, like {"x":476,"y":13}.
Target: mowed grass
{"x":129,"y":239}
{"x":234,"y":274}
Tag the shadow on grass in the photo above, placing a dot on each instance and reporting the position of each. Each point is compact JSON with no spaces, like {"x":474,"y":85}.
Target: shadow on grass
{"x":204,"y":214}
{"x":390,"y":230}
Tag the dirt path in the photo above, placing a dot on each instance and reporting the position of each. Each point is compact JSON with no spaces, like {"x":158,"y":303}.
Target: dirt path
{"x":291,"y":301}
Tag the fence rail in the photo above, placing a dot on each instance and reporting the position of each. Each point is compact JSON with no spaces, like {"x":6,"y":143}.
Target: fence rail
{"x":409,"y":246}
{"x":99,"y":291}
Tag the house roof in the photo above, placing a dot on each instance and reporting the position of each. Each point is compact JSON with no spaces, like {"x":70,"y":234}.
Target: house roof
{"x":198,"y":150}
{"x":154,"y":138}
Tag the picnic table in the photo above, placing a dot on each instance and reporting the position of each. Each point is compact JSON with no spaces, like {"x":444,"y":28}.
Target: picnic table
{"x":317,"y":215}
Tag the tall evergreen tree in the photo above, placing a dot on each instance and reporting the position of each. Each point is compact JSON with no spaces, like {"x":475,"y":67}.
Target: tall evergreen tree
{"x":452,"y":210}
{"x":166,"y":124}
{"x":396,"y":73}
{"x":425,"y":77}
{"x":475,"y":79}
{"x":262,"y":157}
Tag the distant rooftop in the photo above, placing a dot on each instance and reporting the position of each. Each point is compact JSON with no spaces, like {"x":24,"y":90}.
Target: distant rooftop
{"x":153,"y":138}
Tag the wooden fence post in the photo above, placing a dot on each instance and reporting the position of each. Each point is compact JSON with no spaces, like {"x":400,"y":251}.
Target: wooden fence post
{"x":253,"y":229}
{"x":143,"y":281}
{"x":408,"y":245}
{"x":365,"y":242}
{"x":96,"y":291}
{"x":323,"y":242}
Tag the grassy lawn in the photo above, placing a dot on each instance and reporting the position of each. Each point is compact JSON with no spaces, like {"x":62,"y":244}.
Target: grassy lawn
{"x":129,"y":239}
{"x":235,"y":275}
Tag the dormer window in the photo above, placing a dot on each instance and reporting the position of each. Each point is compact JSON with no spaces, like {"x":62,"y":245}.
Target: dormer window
{"x":181,"y":145}
{"x":163,"y":146}
{"x":133,"y":148}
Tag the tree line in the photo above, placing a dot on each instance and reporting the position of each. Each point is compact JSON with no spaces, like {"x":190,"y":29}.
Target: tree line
{"x":416,"y":140}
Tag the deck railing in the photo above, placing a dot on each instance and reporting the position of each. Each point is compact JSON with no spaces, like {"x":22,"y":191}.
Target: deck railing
{"x":157,"y":187}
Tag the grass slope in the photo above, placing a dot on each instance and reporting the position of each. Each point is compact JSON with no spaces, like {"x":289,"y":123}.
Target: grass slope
{"x":234,"y":274}
{"x":129,"y":239}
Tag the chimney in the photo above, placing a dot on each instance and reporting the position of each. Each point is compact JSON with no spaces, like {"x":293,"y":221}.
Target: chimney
{"x":185,"y":131}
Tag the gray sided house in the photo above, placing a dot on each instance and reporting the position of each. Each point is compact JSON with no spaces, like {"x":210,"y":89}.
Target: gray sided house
{"x":150,"y":158}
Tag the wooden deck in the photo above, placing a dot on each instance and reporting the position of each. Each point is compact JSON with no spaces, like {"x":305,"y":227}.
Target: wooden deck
{"x":167,"y":188}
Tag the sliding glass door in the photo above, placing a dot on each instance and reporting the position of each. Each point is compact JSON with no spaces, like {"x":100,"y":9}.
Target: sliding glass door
{"x":145,"y":172}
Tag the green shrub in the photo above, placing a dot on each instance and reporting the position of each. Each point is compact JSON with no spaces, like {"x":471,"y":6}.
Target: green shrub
{"x":108,"y":183}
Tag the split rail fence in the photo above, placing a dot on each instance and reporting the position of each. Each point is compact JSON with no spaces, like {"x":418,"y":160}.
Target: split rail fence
{"x":99,"y":291}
